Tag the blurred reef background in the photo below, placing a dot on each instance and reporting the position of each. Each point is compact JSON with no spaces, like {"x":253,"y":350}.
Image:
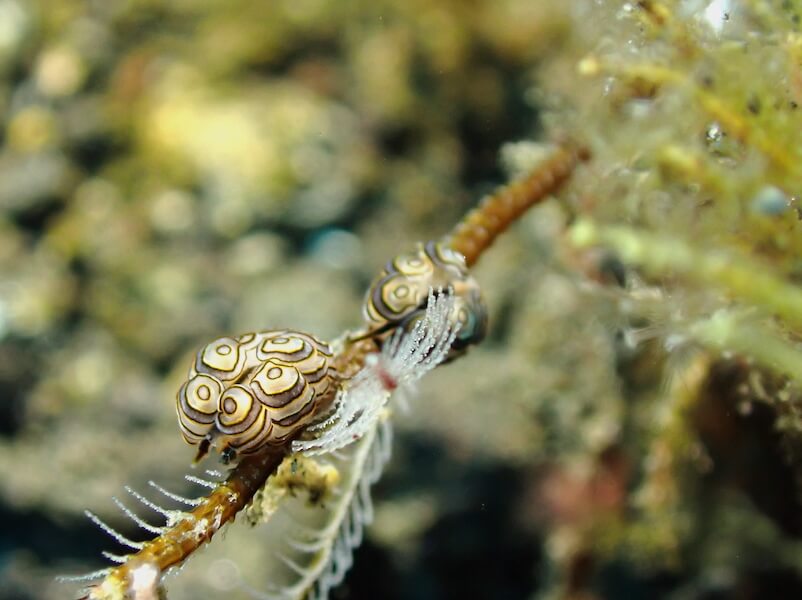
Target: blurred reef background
{"x":171,"y":171}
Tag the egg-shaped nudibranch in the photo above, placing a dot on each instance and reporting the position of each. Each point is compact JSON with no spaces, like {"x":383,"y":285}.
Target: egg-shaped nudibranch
{"x":398,"y":297}
{"x":243,"y":394}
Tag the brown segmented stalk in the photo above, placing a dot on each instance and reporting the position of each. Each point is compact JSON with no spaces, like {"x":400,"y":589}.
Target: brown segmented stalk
{"x":480,"y":227}
{"x":198,"y":526}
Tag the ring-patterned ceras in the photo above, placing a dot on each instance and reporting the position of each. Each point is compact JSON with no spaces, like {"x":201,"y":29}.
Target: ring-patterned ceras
{"x":398,"y":297}
{"x":245,"y":393}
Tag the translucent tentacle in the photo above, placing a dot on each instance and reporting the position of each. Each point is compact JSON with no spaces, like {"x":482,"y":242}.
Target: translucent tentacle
{"x":175,"y":497}
{"x":115,"y":558}
{"x":120,"y":538}
{"x":201,"y":482}
{"x":85,"y":578}
{"x":169,"y":514}
{"x":136,"y":518}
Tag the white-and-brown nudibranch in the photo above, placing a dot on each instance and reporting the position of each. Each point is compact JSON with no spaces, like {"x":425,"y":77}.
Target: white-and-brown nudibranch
{"x":245,"y":393}
{"x":397,"y":298}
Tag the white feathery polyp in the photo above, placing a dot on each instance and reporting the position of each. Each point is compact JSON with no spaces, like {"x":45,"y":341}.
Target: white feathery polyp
{"x":405,"y":358}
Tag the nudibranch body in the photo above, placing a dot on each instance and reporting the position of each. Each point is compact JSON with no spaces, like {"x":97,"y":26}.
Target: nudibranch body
{"x":258,"y":389}
{"x":398,"y":296}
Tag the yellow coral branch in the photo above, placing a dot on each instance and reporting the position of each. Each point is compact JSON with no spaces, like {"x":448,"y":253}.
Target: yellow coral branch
{"x":728,"y":331}
{"x":652,"y":76}
{"x":741,"y":277}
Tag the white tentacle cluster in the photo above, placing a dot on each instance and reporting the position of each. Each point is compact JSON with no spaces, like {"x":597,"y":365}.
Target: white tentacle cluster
{"x":406,"y":357}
